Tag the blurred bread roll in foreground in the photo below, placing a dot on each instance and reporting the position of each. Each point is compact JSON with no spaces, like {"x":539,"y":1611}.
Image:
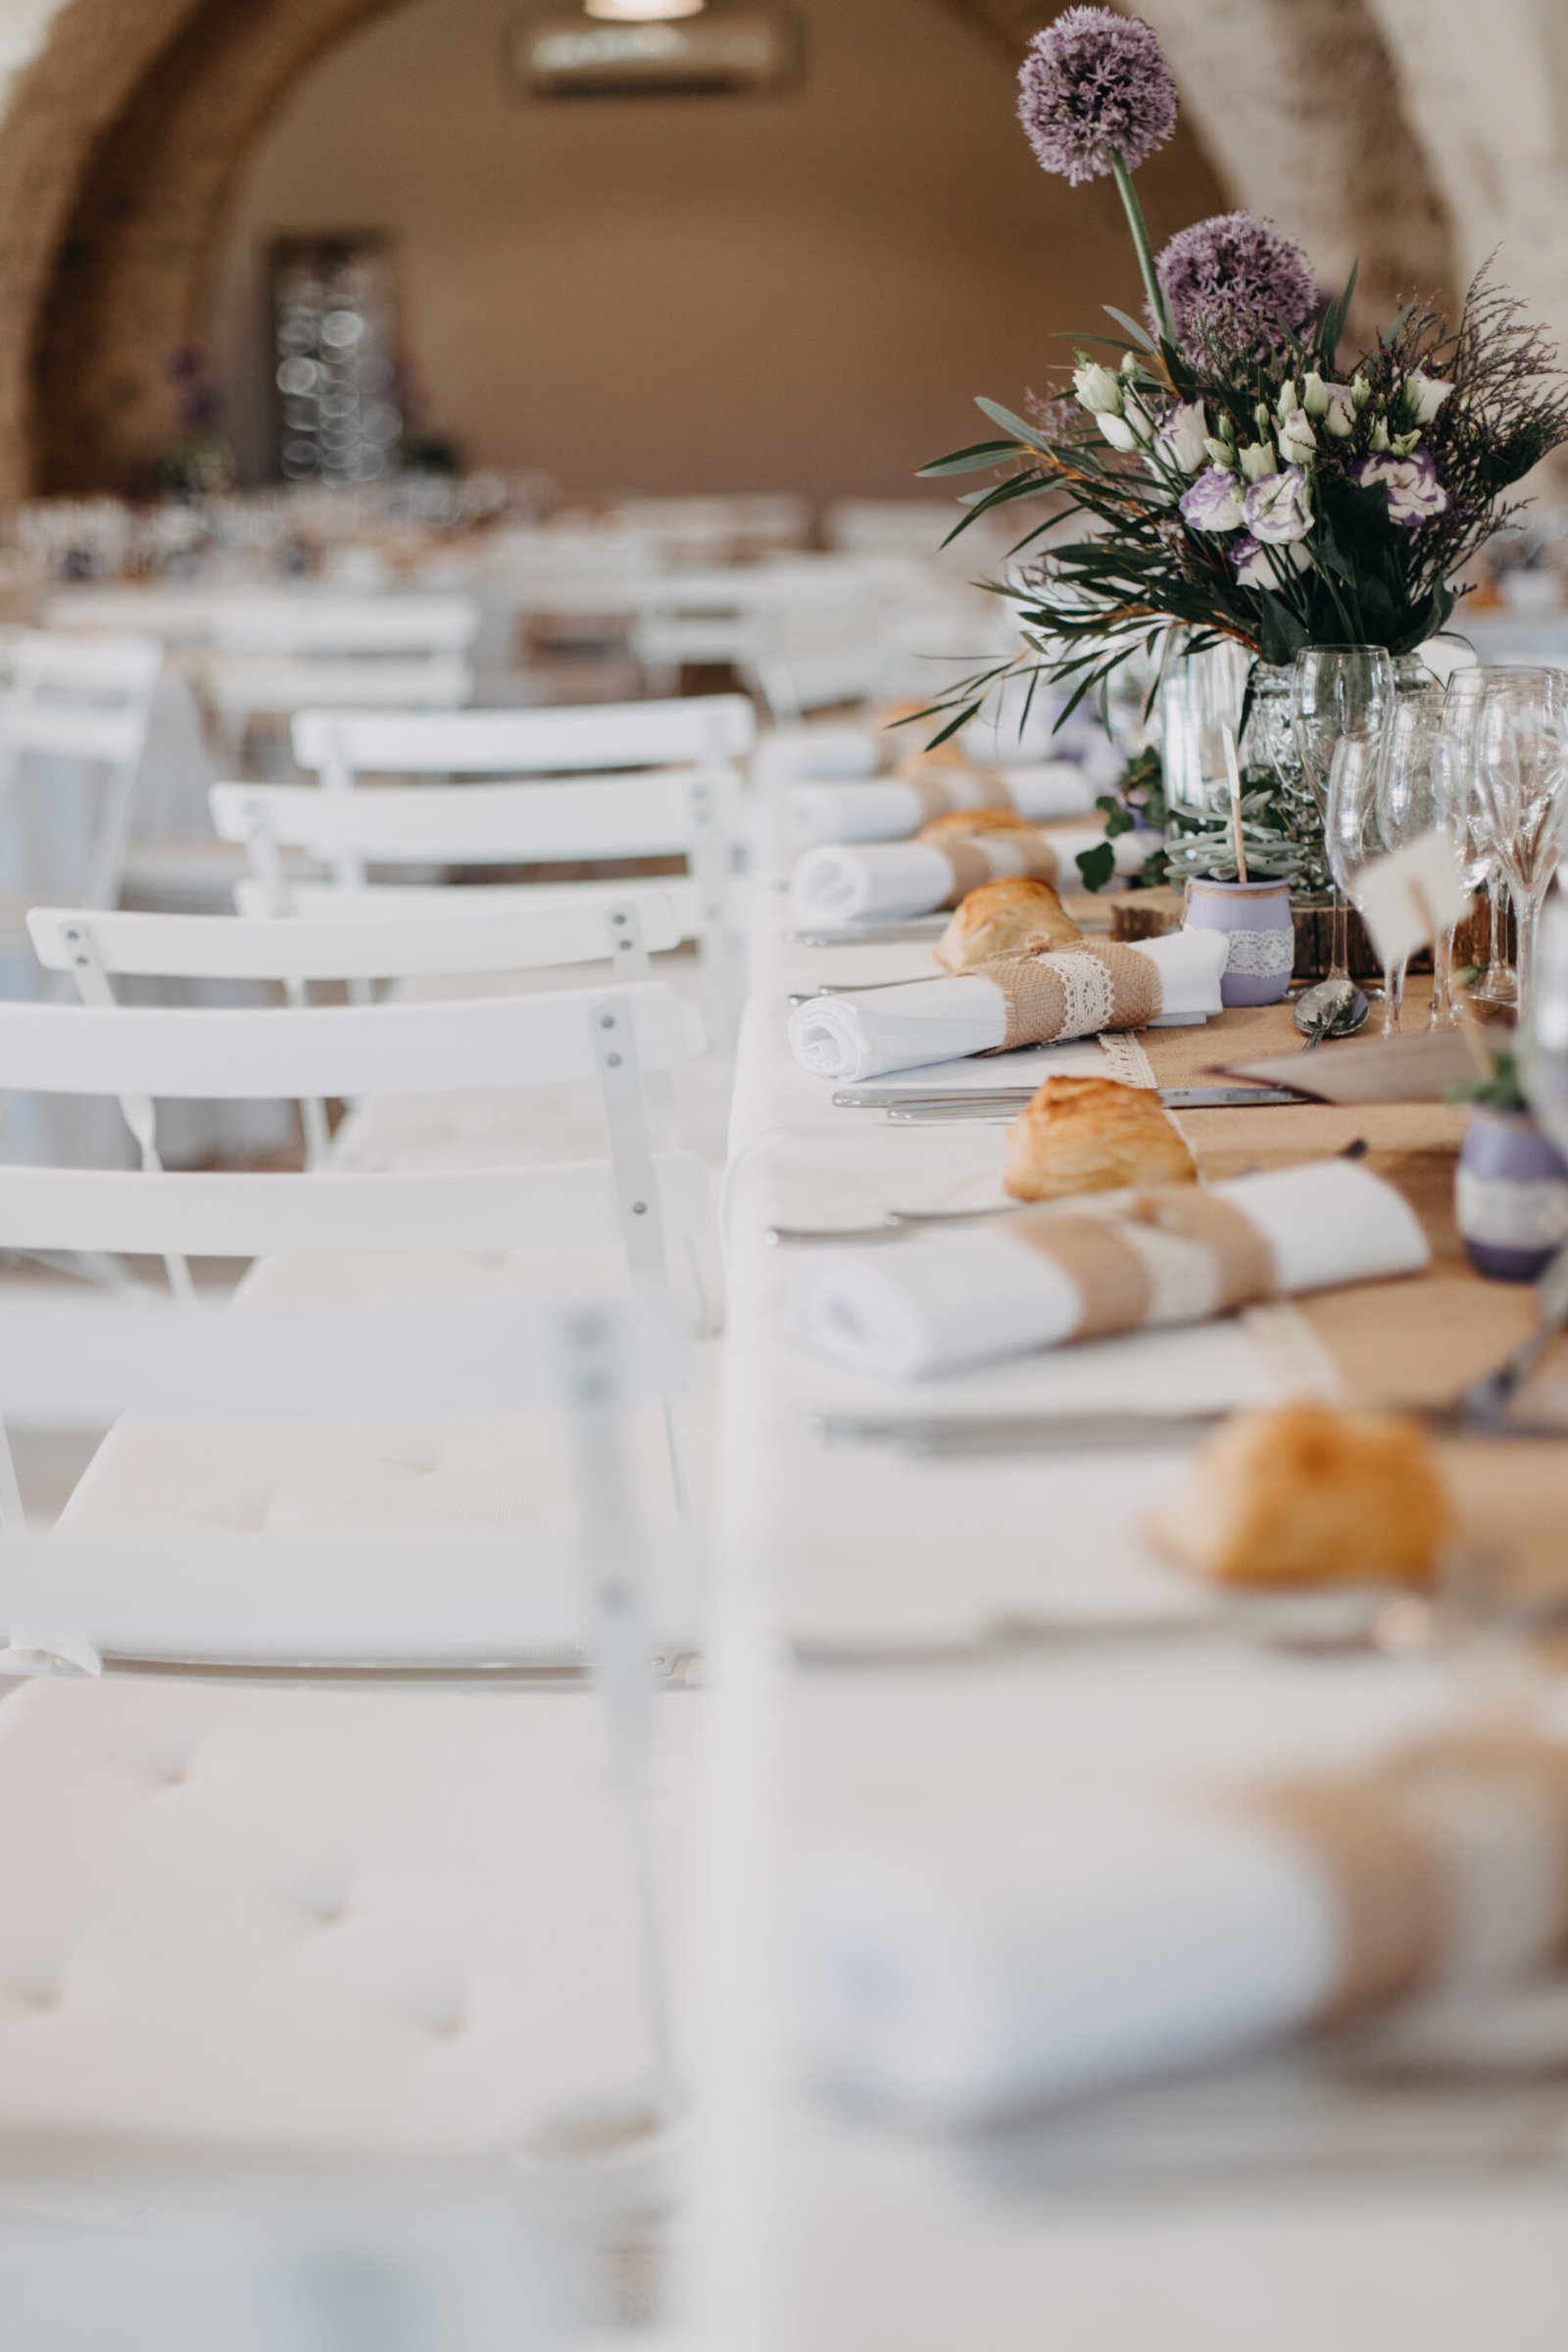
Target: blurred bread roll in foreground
{"x":1093,"y":1135}
{"x":1001,"y":916}
{"x":1308,"y":1493}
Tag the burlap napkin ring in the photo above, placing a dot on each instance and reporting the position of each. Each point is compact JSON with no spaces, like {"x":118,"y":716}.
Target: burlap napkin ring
{"x":1391,"y":1848}
{"x":995,"y":857}
{"x":1178,"y":1255}
{"x":963,"y":789}
{"x":1076,"y":990}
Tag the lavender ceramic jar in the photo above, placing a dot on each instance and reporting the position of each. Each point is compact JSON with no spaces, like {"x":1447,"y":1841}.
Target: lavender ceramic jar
{"x":1510,"y":1195}
{"x":1262,"y":935}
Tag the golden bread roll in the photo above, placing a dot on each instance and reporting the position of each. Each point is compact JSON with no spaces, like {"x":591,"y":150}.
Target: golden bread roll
{"x":1001,"y":917}
{"x":1093,"y":1135}
{"x":1308,"y":1493}
{"x":965,"y":821}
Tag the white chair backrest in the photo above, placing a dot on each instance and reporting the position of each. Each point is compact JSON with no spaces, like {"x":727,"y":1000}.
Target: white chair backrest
{"x":397,"y":903}
{"x":459,"y":932}
{"x":793,"y":685}
{"x":660,"y":815}
{"x":311,"y":622}
{"x":703,"y":729}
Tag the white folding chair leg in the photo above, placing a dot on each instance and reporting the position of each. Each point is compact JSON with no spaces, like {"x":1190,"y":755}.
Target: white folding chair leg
{"x":636,"y":1186}
{"x":620,"y":1644}
{"x":13,"y":1518}
{"x":265,"y":861}
{"x":106,"y":873}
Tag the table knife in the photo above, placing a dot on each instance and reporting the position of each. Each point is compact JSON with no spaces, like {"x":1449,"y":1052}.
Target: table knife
{"x":939,"y":1098}
{"x":1000,"y":1109}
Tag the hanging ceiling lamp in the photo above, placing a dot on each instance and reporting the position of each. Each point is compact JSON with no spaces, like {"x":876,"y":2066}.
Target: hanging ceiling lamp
{"x":643,"y":12}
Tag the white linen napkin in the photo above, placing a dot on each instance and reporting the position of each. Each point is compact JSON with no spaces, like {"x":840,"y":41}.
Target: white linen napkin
{"x":894,"y":809}
{"x":794,"y":754}
{"x":857,"y":1037}
{"x":910,"y":1309}
{"x":1088,"y":1947}
{"x":888,"y":881}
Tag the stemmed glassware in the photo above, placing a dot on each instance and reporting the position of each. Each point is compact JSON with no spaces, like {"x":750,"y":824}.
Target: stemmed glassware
{"x":1351,"y":832}
{"x":1340,"y":694}
{"x":1521,"y":772}
{"x":1413,"y":796}
{"x":1544,"y":1029}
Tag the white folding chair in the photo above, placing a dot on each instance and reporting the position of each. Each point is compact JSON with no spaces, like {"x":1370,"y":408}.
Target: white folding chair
{"x":466,"y":1609}
{"x":341,"y":747}
{"x":86,"y":701}
{"x":613,"y":1036}
{"x":274,"y":654}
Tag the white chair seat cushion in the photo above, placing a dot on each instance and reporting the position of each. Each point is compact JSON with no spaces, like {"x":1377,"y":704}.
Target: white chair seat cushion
{"x":319,"y":1924}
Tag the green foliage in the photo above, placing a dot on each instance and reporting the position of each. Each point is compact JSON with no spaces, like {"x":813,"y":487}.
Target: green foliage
{"x":1499,"y":1090}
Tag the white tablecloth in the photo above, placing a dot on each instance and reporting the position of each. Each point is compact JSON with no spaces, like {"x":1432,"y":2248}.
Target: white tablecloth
{"x":1270,"y":2205}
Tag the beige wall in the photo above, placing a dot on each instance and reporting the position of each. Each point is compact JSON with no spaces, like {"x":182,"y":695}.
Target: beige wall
{"x":694,"y":293}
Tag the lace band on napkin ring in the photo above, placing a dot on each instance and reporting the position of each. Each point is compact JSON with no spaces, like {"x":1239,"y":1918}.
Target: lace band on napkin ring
{"x":1074,"y":992}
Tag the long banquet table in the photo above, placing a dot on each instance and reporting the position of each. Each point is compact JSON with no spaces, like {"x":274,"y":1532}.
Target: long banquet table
{"x":898,"y":1674}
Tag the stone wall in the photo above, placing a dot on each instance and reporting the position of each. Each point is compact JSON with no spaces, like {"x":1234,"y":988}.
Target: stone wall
{"x":1417,"y":133}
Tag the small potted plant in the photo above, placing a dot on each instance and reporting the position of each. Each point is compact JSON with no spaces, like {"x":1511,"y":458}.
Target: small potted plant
{"x":1511,"y":1186}
{"x":1238,"y":862}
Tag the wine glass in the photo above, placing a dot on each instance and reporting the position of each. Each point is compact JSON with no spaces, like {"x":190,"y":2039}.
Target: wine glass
{"x":1350,"y":829}
{"x":1411,"y":804}
{"x":1520,"y":774}
{"x":1543,"y":1031}
{"x":1479,"y":859}
{"x":1339,"y":693}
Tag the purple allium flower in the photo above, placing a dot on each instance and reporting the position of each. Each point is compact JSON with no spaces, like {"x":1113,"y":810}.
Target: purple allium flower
{"x":1415,"y":494}
{"x":1093,"y":81}
{"x":1214,"y":503}
{"x":1279,"y":507}
{"x":1236,"y":281}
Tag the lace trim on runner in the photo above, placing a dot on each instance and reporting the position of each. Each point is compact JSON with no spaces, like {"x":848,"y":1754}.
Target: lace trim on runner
{"x":1123,"y":1050}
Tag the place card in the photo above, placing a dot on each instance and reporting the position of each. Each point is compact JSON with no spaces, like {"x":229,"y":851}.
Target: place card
{"x":1392,"y":1069}
{"x":1410,"y":896}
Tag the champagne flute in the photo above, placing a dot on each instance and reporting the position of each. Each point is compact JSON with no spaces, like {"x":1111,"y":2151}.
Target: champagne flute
{"x":1521,"y":772}
{"x":1351,"y":828}
{"x":1412,"y":802}
{"x":1543,"y":1031}
{"x":1339,"y":693}
{"x":1480,"y":860}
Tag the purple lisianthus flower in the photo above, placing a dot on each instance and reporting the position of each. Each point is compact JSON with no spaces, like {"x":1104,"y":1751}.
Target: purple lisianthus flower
{"x":1214,"y":503}
{"x":1235,"y":280}
{"x":1093,"y":85}
{"x":1182,"y":438}
{"x":1258,"y":567}
{"x":1278,"y":509}
{"x":1415,"y":494}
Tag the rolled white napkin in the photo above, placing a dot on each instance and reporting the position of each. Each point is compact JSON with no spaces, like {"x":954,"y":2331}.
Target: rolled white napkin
{"x":1106,"y":1946}
{"x":838,"y":884}
{"x":911,"y":1309}
{"x":895,"y":808}
{"x":791,"y":754}
{"x":858,"y":1037}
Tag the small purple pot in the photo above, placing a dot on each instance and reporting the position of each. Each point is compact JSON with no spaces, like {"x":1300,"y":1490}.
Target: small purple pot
{"x":1510,"y":1195}
{"x":1262,"y":935}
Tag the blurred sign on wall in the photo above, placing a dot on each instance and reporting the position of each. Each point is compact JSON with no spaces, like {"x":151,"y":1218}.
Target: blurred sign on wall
{"x":742,"y":52}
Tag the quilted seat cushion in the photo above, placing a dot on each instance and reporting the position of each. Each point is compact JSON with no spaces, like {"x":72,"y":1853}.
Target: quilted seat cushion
{"x":316,"y":1923}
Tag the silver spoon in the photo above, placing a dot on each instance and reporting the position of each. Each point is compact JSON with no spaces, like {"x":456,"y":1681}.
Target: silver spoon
{"x":1333,"y":1009}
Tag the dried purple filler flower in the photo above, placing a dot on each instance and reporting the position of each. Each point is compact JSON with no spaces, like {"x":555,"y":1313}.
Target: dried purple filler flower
{"x":1236,"y":282}
{"x":1092,"y":83}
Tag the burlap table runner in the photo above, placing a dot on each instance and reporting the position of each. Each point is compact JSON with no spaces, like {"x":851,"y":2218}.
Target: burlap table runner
{"x":1414,"y":1342}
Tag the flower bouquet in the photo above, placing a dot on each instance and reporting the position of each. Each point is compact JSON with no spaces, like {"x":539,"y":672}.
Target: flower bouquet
{"x":1226,"y":470}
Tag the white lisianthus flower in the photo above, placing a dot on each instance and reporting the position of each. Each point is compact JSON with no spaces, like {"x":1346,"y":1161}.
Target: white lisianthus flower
{"x":1258,"y":460}
{"x":1415,"y":494}
{"x":1314,"y":394}
{"x":1339,"y":417}
{"x":1117,"y":432}
{"x":1279,"y":507}
{"x":1214,"y":503}
{"x":1424,"y":396}
{"x":1361,"y":393}
{"x":1098,"y":390}
{"x":1297,"y":441}
{"x":1259,"y":567}
{"x":1404,"y":445}
{"x":1380,"y":436}
{"x":1222,"y":452}
{"x":1288,"y":400}
{"x":1183,"y":437}
{"x":1139,"y":419}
